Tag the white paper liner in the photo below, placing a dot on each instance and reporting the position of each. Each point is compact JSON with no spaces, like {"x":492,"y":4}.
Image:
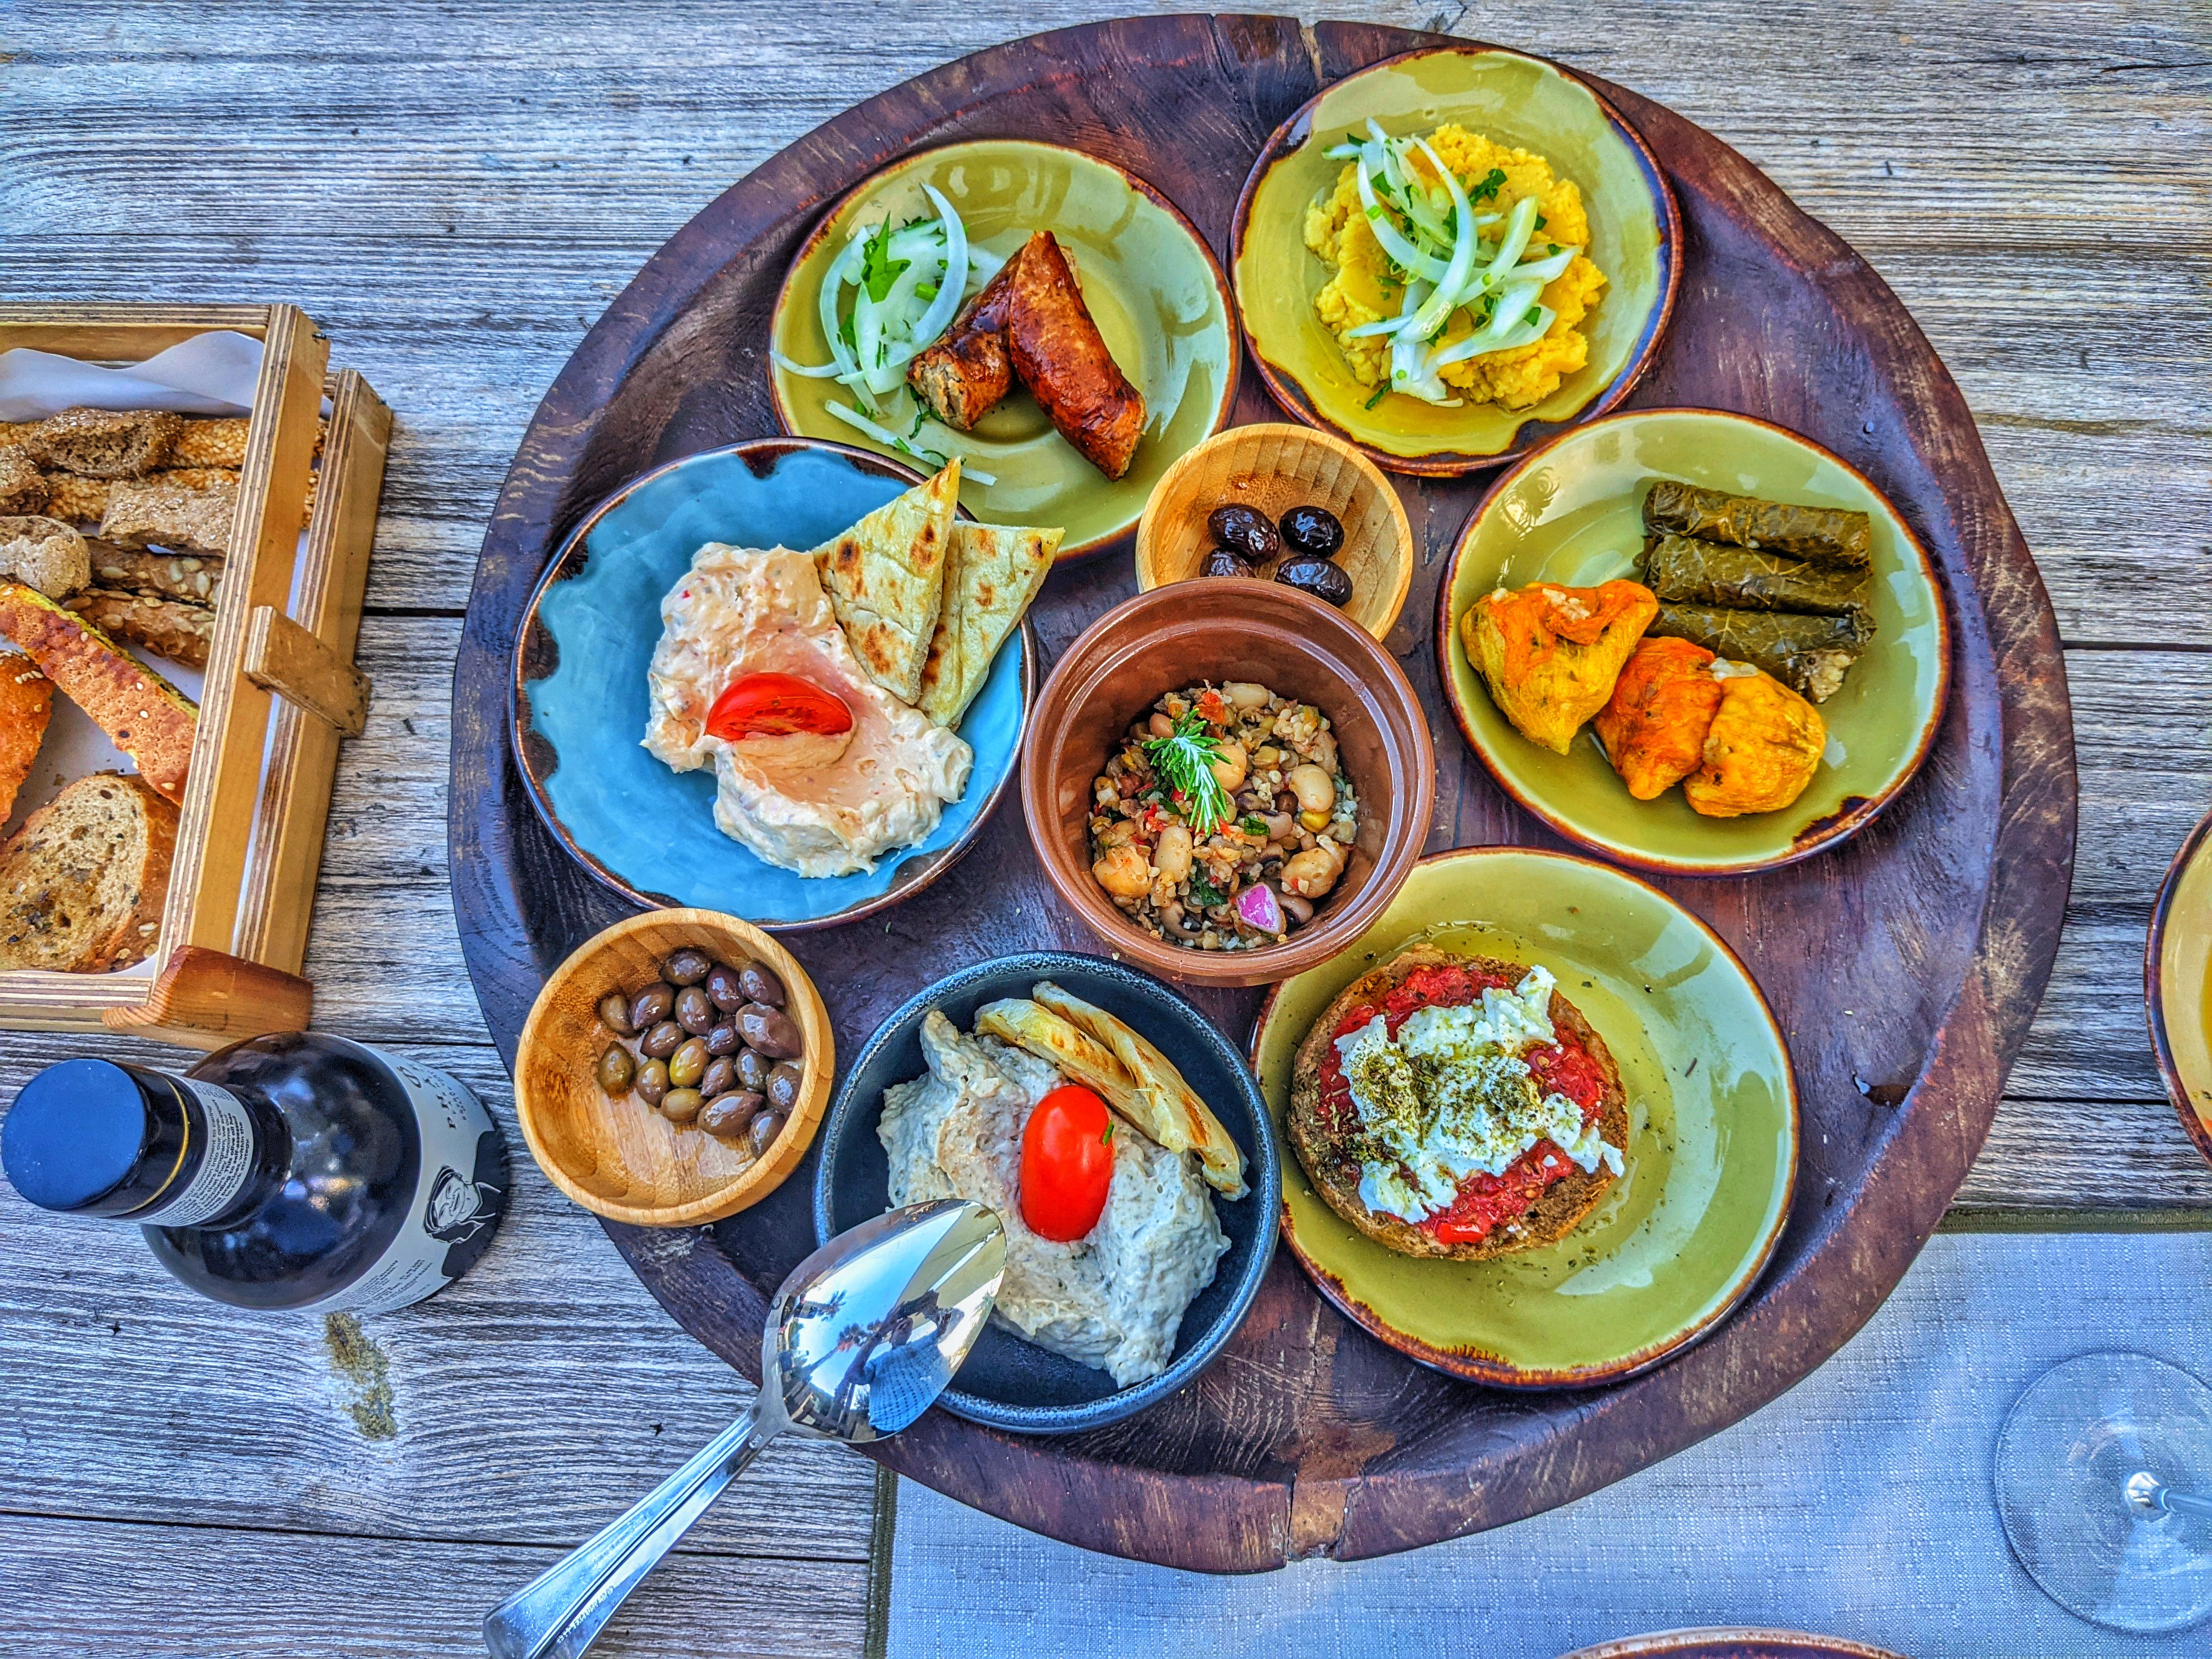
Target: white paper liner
{"x":210,"y":373}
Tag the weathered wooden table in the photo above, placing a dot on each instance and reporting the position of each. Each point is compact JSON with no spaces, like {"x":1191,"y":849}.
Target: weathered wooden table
{"x":455,"y":192}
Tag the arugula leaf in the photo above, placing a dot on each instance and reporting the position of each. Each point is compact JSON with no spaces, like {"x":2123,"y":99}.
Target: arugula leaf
{"x":1204,"y":893}
{"x":877,"y":269}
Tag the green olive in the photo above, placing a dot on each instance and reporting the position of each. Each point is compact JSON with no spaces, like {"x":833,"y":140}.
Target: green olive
{"x":688,"y":1064}
{"x":652,"y":1083}
{"x":614,"y":1013}
{"x":681,"y":1105}
{"x":616,"y":1071}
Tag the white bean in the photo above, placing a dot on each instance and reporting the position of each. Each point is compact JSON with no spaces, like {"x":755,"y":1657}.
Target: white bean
{"x":1124,"y":872}
{"x":1244,"y":694}
{"x":1230,"y":764}
{"x":1160,"y":726}
{"x":1171,"y":858}
{"x":1312,"y":874}
{"x":1315,"y":789}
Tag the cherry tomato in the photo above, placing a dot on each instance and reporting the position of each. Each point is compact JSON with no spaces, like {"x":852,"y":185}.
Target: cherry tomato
{"x":1068,"y":1163}
{"x":776,"y":705}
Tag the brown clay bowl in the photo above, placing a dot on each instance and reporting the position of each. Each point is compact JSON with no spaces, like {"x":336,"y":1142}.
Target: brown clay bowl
{"x":1230,"y":629}
{"x":2178,"y":984}
{"x":1275,"y":468}
{"x":621,"y":1158}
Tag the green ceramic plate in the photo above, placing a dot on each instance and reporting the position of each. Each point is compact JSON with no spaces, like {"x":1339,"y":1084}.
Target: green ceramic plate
{"x":1712,"y":1152}
{"x":1151,"y":283}
{"x":1636,"y":236}
{"x":1573,"y":514}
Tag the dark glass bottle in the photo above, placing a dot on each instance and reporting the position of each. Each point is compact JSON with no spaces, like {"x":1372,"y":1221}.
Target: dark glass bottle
{"x":295,"y":1170}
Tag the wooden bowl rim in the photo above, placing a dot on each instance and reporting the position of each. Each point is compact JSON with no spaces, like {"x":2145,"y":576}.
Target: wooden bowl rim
{"x":1289,"y":432}
{"x":1411,"y":805}
{"x":764,"y":1173}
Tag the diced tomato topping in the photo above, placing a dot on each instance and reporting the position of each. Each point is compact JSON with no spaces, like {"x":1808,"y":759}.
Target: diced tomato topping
{"x":1213,"y":708}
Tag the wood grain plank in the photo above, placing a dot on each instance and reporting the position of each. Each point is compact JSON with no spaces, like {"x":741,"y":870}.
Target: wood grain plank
{"x":88,"y":1589}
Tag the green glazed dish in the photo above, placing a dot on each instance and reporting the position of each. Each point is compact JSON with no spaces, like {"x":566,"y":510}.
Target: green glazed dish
{"x":1572,"y":512}
{"x":1152,"y":285}
{"x":1712,"y":1154}
{"x":1635,"y":233}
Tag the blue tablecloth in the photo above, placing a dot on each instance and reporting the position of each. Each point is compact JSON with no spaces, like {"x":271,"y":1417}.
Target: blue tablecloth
{"x":1858,"y":1504}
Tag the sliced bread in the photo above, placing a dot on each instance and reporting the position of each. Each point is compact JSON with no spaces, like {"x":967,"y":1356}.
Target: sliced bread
{"x":143,"y":715}
{"x":26,"y":702}
{"x":44,"y":553}
{"x":106,"y":443}
{"x":152,"y":514}
{"x":83,"y":881}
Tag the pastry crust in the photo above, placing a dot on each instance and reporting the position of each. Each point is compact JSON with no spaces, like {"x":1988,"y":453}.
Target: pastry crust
{"x":1335,"y":1173}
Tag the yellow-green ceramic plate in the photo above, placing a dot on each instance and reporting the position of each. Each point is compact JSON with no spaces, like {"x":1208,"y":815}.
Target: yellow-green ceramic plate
{"x":2178,"y":984}
{"x":1712,"y":1152}
{"x":1152,"y":286}
{"x":1636,"y":238}
{"x":1572,"y":512}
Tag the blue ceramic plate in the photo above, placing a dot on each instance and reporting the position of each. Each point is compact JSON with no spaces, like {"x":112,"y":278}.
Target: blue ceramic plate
{"x":1008,"y":1382}
{"x":580,"y":688}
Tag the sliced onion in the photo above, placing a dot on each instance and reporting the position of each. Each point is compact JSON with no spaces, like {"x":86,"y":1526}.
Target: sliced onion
{"x":1408,"y":257}
{"x":1543,"y":270}
{"x":1451,"y":287}
{"x":901,"y":442}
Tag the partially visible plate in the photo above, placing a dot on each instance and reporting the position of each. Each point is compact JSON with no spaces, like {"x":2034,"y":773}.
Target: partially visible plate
{"x":1712,"y":1153}
{"x":580,"y":705}
{"x":1572,"y":513}
{"x":2178,"y":984}
{"x":1636,"y":239}
{"x":1150,"y":282}
{"x":1731,"y":1644}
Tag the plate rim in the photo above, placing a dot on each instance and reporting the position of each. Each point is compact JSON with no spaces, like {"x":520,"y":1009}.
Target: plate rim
{"x":1840,"y":826}
{"x":2196,"y":844}
{"x":1292,"y":135}
{"x":1693,"y":1639}
{"x":1501,"y":1374}
{"x":1232,"y":322}
{"x":1266,"y":1190}
{"x":520,"y":681}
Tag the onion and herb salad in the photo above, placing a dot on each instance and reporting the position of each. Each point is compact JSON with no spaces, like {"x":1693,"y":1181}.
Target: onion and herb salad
{"x":1455,"y":261}
{"x":906,"y":284}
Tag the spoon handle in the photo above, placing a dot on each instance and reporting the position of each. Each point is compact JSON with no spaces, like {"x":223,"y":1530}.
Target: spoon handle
{"x":561,"y":1613}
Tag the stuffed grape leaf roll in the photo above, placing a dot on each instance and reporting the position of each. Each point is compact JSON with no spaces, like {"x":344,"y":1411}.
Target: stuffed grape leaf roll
{"x":1807,"y":653}
{"x":1683,"y":570}
{"x":1825,"y":535}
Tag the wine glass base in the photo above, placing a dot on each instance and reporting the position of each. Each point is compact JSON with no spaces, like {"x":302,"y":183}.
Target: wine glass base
{"x":2063,"y":1458}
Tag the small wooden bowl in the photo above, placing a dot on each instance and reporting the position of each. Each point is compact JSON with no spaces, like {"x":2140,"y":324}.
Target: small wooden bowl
{"x":1275,"y":469}
{"x":620,"y":1158}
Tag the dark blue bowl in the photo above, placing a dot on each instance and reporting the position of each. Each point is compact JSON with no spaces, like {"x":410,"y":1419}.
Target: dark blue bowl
{"x":1008,"y":1382}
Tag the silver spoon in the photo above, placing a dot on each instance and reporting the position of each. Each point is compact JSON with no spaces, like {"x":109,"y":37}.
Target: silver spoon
{"x":861,"y":1338}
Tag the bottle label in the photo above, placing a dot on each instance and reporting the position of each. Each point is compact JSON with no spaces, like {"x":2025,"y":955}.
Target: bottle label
{"x":459,"y":1197}
{"x":226,"y":1162}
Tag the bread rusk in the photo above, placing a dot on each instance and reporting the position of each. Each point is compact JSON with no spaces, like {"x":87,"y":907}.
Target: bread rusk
{"x":160,"y":575}
{"x":175,"y":628}
{"x":143,"y":715}
{"x":105,"y":443}
{"x":26,"y":704}
{"x":23,"y":487}
{"x":210,"y":441}
{"x":151,"y":514}
{"x":83,"y":883}
{"x":46,"y":554}
{"x":74,"y":500}
{"x":1335,"y":1169}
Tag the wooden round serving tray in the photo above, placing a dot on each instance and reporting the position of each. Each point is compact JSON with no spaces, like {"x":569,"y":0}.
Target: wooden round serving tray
{"x":1904,"y":966}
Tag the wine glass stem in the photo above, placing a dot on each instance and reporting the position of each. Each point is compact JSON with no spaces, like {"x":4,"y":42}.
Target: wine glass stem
{"x":2145,"y":1491}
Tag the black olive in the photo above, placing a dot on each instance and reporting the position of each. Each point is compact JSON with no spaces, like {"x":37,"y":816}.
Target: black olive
{"x":753,"y":1069}
{"x":1312,"y":530}
{"x":763,"y":1131}
{"x":771,"y":1030}
{"x":687,"y":966}
{"x":719,"y":1077}
{"x":784,"y":1082}
{"x":651,"y":1006}
{"x":1244,"y":530}
{"x":722,"y":985}
{"x":1226,"y":562}
{"x":760,"y":985}
{"x":694,"y":1010}
{"x":723,"y":1039}
{"x":731,"y":1115}
{"x":1322,"y":578}
{"x":662,"y":1040}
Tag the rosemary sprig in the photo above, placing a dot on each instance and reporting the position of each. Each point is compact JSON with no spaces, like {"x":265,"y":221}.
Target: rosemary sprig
{"x":1185,"y":761}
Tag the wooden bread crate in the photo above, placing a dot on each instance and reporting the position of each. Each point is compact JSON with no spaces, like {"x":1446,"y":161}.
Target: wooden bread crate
{"x":281,"y":690}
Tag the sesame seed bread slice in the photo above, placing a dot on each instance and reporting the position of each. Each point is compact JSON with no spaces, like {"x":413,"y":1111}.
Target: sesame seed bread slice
{"x":143,"y":715}
{"x":1334,"y":1167}
{"x":106,"y":443}
{"x":83,"y":881}
{"x":26,"y":704}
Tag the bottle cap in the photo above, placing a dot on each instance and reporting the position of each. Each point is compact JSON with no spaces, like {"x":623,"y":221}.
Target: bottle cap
{"x":87,"y":1135}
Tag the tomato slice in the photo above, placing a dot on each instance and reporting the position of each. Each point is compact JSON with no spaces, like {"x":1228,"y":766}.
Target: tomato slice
{"x":775,"y":706}
{"x":1068,"y":1163}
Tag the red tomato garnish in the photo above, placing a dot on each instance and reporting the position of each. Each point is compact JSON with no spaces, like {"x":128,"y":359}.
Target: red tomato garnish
{"x":1068,"y":1163}
{"x":774,"y":706}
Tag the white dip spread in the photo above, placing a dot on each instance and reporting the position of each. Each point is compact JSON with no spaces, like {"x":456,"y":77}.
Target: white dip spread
{"x":1112,"y":1298}
{"x":1451,"y":1095}
{"x":821,"y":806}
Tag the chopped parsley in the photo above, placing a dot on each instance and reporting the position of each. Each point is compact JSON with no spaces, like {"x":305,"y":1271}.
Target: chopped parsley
{"x":1251,"y":824}
{"x":1381,"y":392}
{"x":1204,"y":894}
{"x":878,"y":271}
{"x":1489,"y":187}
